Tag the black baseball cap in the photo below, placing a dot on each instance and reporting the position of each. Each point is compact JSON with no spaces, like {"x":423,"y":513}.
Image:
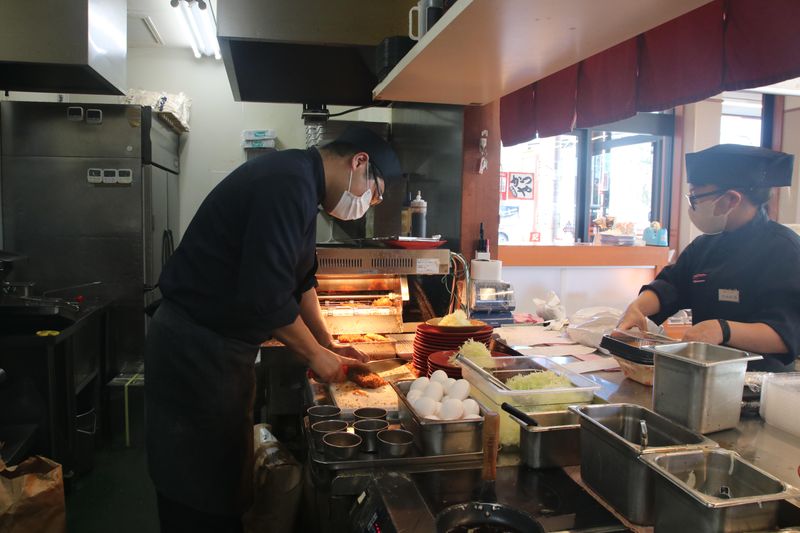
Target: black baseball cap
{"x":381,"y":154}
{"x":736,"y":166}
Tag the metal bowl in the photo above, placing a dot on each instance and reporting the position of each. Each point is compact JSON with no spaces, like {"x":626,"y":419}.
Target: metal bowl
{"x":318,"y":413}
{"x":466,"y":516}
{"x":368,"y":429}
{"x":341,"y":445}
{"x":323,"y":427}
{"x":366,"y":413}
{"x":394,"y":443}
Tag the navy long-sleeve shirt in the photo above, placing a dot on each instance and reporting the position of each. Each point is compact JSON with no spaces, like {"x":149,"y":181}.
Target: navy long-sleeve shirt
{"x":249,"y":252}
{"x":748,"y":275}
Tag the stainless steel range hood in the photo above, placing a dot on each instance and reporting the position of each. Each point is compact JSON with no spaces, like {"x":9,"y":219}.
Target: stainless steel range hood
{"x":306,"y":51}
{"x":69,"y":46}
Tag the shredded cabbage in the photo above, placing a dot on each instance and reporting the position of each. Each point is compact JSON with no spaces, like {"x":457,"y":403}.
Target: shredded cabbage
{"x":538,"y":380}
{"x":474,"y":351}
{"x":456,"y":318}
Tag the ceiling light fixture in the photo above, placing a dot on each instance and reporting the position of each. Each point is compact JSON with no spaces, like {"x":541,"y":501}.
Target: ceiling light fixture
{"x":201,"y":27}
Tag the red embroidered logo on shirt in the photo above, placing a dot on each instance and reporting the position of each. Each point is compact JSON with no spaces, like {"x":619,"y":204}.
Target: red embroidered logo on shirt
{"x":699,"y":278}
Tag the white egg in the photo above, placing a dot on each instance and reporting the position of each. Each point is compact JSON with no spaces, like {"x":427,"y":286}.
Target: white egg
{"x":420,"y":383}
{"x":440,"y":376}
{"x":425,"y":406}
{"x":413,"y":395}
{"x":451,"y":410}
{"x":438,"y":408}
{"x":460,"y":389}
{"x":434,"y":390}
{"x":471,"y":407}
{"x":448,"y":384}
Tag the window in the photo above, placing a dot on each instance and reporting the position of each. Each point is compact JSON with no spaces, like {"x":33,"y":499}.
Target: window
{"x":552,"y":189}
{"x":741,"y":118}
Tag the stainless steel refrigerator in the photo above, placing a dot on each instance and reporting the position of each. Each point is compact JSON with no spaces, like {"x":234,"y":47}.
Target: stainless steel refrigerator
{"x":90,"y":193}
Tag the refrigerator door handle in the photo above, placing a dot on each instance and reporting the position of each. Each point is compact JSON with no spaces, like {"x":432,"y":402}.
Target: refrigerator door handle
{"x":164,"y":247}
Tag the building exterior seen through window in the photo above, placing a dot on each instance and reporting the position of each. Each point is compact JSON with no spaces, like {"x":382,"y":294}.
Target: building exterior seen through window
{"x":554,"y":191}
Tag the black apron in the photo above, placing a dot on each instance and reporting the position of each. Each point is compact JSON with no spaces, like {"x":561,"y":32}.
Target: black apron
{"x":200,"y":388}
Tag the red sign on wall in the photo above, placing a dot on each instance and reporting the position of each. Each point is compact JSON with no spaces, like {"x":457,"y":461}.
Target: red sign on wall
{"x":520,"y":185}
{"x":504,"y":185}
{"x":536,"y":236}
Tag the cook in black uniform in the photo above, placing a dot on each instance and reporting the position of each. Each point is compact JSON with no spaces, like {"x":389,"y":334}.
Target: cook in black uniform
{"x":243,"y":272}
{"x":741,"y":279}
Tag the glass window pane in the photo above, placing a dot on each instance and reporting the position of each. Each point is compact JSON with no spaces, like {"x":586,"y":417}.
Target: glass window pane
{"x":537,"y":191}
{"x":622,"y":180}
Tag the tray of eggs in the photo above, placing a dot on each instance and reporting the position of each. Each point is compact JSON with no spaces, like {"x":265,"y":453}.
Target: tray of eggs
{"x":440,"y":414}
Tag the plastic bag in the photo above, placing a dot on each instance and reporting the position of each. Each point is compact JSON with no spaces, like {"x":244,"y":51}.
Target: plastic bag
{"x":278,"y":479}
{"x":551,"y":310}
{"x":32,"y":497}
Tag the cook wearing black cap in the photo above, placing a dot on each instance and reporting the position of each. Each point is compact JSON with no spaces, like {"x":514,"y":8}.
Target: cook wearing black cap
{"x":243,"y":272}
{"x":741,"y":278}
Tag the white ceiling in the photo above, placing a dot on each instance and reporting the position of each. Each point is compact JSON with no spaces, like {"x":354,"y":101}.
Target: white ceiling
{"x":165,"y":19}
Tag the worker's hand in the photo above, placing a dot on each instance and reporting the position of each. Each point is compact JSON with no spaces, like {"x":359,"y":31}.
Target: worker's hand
{"x":348,"y":351}
{"x":327,"y":367}
{"x":633,"y":318}
{"x":706,"y":331}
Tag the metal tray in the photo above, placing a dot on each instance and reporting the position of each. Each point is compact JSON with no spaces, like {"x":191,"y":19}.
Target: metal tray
{"x":611,"y":443}
{"x":369,"y":461}
{"x":700,"y":385}
{"x":439,"y":437}
{"x":553,"y":443}
{"x":375,"y":366}
{"x":706,"y":491}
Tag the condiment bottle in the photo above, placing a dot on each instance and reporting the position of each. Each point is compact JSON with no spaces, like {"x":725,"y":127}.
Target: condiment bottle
{"x":405,"y":216}
{"x":419,"y":211}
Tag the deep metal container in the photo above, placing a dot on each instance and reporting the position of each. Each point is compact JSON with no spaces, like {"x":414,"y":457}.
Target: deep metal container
{"x":438,"y":437}
{"x":714,"y":491}
{"x":700,"y":385}
{"x":553,"y":443}
{"x":611,"y":443}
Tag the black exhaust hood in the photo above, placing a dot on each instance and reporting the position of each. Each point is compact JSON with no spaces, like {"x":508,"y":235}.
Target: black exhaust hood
{"x":69,"y":46}
{"x":306,"y":51}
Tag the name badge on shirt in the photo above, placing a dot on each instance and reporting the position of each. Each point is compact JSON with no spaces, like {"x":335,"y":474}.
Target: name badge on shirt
{"x":729,"y":295}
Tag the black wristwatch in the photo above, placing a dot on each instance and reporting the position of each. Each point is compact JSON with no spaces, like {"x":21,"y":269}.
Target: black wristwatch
{"x":726,"y":330}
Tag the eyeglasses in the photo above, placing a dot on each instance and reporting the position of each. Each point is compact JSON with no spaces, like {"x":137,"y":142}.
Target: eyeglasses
{"x":692,"y":198}
{"x":376,"y":198}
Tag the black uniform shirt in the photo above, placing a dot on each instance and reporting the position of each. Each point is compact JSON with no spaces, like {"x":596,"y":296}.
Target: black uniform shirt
{"x":749,"y":275}
{"x":249,"y":252}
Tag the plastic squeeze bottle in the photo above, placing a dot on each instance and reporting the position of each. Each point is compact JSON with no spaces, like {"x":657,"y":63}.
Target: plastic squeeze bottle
{"x":419,"y":212}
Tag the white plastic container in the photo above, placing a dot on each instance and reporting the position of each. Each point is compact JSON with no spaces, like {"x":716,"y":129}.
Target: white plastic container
{"x":780,"y":395}
{"x":487,"y":377}
{"x":254,"y":135}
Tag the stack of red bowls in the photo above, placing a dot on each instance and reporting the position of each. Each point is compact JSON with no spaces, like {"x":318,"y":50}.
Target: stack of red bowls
{"x":431,"y":339}
{"x":441,"y":361}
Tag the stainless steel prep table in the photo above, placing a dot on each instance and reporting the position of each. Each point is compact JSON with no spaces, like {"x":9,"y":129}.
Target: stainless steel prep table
{"x":769,"y":448}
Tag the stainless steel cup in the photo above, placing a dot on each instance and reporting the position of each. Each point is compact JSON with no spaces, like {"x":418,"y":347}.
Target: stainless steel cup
{"x":394,"y":443}
{"x":323,"y":427}
{"x":369,"y":413}
{"x":341,"y":445}
{"x":318,"y":413}
{"x":368,"y":429}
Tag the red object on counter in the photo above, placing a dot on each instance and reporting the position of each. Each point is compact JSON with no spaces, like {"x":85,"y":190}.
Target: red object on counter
{"x":414,"y":245}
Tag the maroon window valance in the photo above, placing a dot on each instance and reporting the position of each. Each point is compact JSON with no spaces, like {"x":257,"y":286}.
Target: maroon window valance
{"x":762,"y":42}
{"x":681,"y":60}
{"x":607,"y":86}
{"x":517,"y":116}
{"x":554,"y":100}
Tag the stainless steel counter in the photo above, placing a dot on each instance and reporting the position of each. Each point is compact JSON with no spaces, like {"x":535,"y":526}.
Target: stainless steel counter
{"x":767,"y":447}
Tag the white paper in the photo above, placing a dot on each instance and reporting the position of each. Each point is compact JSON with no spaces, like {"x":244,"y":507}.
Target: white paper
{"x":531,"y":335}
{"x":593,"y":365}
{"x":555,"y":351}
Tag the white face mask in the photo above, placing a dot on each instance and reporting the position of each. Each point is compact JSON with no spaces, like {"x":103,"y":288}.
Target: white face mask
{"x":705,"y":220}
{"x":350,"y":206}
